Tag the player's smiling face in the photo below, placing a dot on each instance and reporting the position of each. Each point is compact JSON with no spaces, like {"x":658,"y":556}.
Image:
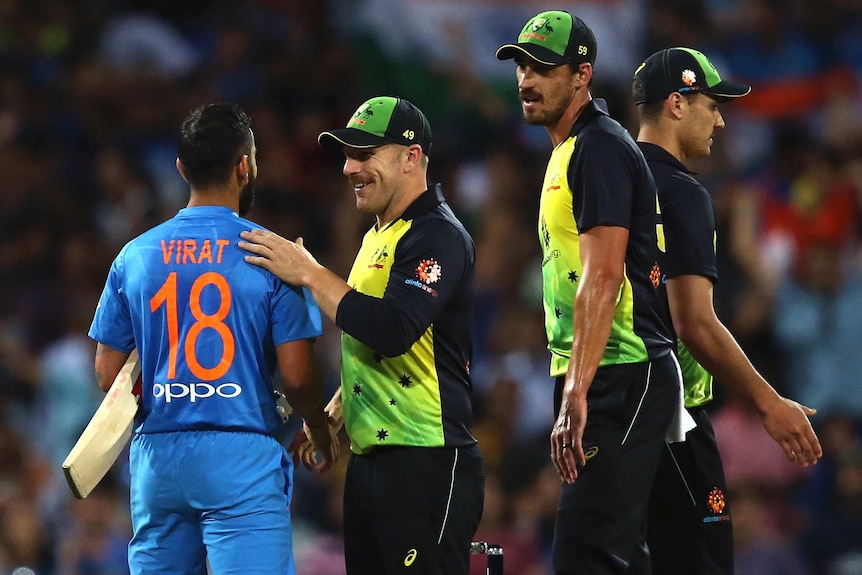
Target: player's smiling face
{"x":375,"y":175}
{"x":702,"y":121}
{"x":545,"y":91}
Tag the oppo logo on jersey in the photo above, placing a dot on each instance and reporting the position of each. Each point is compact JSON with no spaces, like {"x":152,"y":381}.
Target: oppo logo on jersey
{"x":195,"y":391}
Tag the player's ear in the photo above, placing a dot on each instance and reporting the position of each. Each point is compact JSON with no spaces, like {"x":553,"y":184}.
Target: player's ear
{"x":414,"y":156}
{"x":243,"y":169}
{"x":676,"y":103}
{"x":583,"y":73}
{"x":181,"y":170}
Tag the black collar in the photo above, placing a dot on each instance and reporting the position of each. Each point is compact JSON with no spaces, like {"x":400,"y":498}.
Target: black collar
{"x":595,"y":107}
{"x":654,"y":153}
{"x":429,"y":199}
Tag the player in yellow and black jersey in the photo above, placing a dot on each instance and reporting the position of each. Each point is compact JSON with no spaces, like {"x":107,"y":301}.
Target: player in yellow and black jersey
{"x":618,"y":392}
{"x":415,"y":483}
{"x":678,"y":92}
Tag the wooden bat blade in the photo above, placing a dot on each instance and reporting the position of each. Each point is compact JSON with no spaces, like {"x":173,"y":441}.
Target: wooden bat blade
{"x":106,"y":434}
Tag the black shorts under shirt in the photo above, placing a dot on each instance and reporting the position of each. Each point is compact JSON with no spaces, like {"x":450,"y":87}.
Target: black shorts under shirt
{"x":601,"y":519}
{"x":412,"y":510}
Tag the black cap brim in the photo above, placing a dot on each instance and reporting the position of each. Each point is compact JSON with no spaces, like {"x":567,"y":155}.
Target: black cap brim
{"x":540,"y":54}
{"x":728,"y":90}
{"x":350,"y":137}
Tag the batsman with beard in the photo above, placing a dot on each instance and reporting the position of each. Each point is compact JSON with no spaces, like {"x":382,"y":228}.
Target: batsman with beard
{"x":209,"y":481}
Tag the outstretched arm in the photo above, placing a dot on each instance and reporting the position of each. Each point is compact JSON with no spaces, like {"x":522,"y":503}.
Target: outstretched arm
{"x":295,"y":265}
{"x":713,"y":346}
{"x":390,"y":324}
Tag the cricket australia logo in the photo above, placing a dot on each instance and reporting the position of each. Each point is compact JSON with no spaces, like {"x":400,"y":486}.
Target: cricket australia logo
{"x":378,"y":258}
{"x":554,"y":182}
{"x":538,"y":28}
{"x":362,"y":115}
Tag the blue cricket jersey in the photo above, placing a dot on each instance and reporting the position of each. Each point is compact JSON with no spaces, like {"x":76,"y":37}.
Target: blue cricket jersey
{"x":205,"y":323}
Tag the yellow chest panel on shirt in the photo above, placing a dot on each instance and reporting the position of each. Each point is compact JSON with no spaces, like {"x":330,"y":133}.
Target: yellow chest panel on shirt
{"x":561,"y":257}
{"x":558,"y":231}
{"x":388,"y":401}
{"x":562,"y":271}
{"x":370,"y":272}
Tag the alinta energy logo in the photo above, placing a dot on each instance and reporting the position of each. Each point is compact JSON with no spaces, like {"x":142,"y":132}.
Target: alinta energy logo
{"x":546,"y":235}
{"x":688,"y":78}
{"x":655,"y":275}
{"x":546,"y":241}
{"x":362,"y":115}
{"x":716,"y":503}
{"x":428,"y":271}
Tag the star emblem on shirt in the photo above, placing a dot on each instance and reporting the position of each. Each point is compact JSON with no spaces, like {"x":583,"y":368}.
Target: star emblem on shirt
{"x":392,"y":401}
{"x":382,"y":434}
{"x":573,"y":276}
{"x":404,"y":381}
{"x":377,"y":358}
{"x":558,"y":312}
{"x":357,"y":389}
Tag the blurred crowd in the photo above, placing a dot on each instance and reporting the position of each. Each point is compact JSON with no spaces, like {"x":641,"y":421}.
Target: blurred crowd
{"x":91,"y":97}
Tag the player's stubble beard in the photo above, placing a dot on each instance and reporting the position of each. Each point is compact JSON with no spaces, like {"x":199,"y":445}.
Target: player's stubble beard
{"x":246,"y":196}
{"x":549,"y":115}
{"x":555,"y":95}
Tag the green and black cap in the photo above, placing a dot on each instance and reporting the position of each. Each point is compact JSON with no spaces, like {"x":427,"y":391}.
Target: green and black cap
{"x":681,"y":70}
{"x":553,"y":38}
{"x":382,"y":120}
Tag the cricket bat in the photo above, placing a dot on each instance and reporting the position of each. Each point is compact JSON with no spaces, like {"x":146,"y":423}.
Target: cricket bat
{"x":106,"y":434}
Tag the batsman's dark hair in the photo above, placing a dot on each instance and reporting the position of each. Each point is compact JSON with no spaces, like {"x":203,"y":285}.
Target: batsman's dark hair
{"x":212,"y":140}
{"x":651,"y":111}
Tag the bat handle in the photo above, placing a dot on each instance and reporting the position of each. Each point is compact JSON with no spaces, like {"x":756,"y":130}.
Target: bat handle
{"x":493,"y":552}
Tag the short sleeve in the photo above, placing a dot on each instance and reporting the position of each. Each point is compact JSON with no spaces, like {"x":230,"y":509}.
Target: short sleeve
{"x":688,"y":219}
{"x":295,"y":314}
{"x":602,"y":177}
{"x":112,"y":321}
